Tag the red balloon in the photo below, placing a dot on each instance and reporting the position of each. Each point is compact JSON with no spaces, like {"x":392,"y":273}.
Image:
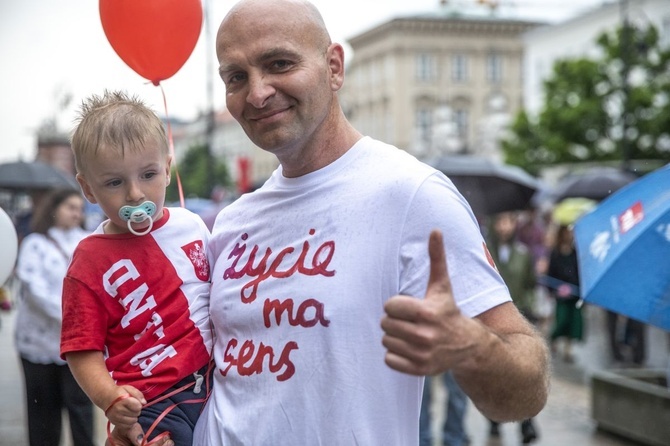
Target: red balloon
{"x":154,"y":37}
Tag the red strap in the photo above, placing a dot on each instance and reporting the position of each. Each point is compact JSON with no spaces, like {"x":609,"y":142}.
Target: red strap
{"x":120,"y":398}
{"x":109,"y":424}
{"x":161,"y":416}
{"x":164,"y":413}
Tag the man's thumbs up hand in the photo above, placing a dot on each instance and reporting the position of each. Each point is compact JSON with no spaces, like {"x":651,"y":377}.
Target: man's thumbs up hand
{"x":427,"y":336}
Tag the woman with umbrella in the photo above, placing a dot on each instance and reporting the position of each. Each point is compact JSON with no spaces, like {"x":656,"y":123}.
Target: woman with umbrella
{"x":563,"y":282}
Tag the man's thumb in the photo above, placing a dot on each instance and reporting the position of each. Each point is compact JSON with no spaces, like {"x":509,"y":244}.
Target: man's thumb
{"x":438,"y":282}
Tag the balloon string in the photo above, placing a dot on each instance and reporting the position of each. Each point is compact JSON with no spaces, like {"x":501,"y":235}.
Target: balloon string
{"x":171,"y":144}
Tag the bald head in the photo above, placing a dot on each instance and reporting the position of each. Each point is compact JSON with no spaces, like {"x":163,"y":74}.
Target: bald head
{"x":292,"y":7}
{"x":253,"y":16}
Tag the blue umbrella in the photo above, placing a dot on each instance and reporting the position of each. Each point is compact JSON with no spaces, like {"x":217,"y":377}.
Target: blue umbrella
{"x":623,"y":247}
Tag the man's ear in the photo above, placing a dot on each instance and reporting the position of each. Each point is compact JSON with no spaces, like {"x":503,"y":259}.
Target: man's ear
{"x":85,"y":188}
{"x":336,"y":65}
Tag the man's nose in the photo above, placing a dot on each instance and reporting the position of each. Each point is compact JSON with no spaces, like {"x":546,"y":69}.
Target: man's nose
{"x":260,"y":90}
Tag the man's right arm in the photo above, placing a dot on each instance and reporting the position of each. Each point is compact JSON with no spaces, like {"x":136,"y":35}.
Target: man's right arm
{"x":499,"y":360}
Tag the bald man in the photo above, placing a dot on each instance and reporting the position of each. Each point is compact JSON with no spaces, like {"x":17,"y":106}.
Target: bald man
{"x":318,"y":338}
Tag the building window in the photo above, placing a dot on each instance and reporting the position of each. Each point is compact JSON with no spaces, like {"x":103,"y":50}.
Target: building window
{"x":459,"y":68}
{"x":389,"y":68}
{"x":426,"y":67}
{"x":461,"y":119}
{"x":494,"y":68}
{"x":424,"y":125}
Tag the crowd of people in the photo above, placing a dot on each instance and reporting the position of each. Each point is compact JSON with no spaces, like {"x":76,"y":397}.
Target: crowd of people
{"x":320,"y":307}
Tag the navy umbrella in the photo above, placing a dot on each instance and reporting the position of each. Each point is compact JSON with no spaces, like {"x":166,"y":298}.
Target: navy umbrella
{"x":595,"y":183}
{"x":489,"y":186}
{"x":21,"y":175}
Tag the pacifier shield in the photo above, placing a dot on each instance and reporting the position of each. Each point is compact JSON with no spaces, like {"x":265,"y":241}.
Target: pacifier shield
{"x":139,"y":213}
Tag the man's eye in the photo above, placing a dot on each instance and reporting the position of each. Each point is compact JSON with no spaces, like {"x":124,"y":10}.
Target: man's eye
{"x":281,"y":64}
{"x":234,"y":78}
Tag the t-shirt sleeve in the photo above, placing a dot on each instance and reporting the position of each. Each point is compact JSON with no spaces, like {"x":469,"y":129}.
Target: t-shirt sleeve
{"x":84,"y":319}
{"x":476,"y":284}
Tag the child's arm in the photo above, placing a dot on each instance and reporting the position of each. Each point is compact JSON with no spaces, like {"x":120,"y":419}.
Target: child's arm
{"x":88,"y":368}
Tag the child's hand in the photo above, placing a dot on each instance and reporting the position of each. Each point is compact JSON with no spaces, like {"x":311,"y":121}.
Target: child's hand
{"x":124,"y":410}
{"x":134,"y":437}
{"x":122,"y":437}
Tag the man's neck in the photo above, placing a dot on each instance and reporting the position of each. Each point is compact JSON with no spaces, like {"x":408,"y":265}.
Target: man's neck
{"x":321,"y":152}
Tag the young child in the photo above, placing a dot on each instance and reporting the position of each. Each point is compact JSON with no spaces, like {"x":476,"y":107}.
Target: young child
{"x":136,"y":330}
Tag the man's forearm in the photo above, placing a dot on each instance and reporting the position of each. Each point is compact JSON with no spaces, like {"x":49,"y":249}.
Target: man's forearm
{"x":507,"y":377}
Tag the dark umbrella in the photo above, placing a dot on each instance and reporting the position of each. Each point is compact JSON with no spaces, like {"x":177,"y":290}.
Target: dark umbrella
{"x":489,"y":186}
{"x":595,"y":183}
{"x":34,"y":175}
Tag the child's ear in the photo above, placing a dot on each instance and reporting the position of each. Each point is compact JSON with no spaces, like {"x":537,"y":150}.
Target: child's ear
{"x":168,"y":165}
{"x":85,"y":188}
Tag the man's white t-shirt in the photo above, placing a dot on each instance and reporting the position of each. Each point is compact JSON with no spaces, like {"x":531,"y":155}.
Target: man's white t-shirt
{"x":302,"y":268}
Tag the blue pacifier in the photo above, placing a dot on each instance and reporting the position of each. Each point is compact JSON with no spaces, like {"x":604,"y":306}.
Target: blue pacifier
{"x":138,"y":214}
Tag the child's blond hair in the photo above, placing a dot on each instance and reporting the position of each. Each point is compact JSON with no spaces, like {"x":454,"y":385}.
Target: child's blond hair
{"x":115,"y":121}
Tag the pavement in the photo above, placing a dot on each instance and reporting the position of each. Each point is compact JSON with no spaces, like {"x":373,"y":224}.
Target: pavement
{"x":565,"y":421}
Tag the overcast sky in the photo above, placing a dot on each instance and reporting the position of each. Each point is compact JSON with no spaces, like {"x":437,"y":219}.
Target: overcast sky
{"x":49,"y":48}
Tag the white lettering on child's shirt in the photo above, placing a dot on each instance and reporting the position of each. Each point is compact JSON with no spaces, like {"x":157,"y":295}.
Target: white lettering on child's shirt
{"x":155,"y":321}
{"x":137,"y":303}
{"x":133,"y":301}
{"x":131,"y":273}
{"x":150,"y":358}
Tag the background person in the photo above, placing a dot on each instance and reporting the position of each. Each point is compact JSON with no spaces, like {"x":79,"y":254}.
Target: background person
{"x":563,"y":271}
{"x":44,"y":255}
{"x":627,"y":339}
{"x":306,"y":266}
{"x":453,"y":430}
{"x":533,"y":227}
{"x":516,"y":265}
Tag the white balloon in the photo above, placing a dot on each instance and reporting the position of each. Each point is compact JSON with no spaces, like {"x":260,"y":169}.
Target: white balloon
{"x":9,"y":245}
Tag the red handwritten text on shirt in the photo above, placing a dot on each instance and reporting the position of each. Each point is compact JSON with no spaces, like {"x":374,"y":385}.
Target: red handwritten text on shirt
{"x":247,"y":364}
{"x":283,"y":265}
{"x":294,"y":318}
{"x":250,"y":356}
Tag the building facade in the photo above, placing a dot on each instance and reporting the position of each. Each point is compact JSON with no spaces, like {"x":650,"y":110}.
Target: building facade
{"x":437,"y":83}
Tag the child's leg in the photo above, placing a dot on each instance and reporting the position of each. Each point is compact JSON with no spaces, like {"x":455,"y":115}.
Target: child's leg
{"x":180,"y":411}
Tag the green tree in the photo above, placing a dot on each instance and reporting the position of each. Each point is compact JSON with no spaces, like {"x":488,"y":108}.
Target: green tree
{"x":614,"y":108}
{"x":193,"y":169}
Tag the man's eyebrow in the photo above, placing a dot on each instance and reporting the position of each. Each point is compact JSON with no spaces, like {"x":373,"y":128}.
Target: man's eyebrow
{"x":227,"y":68}
{"x":274,"y":53}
